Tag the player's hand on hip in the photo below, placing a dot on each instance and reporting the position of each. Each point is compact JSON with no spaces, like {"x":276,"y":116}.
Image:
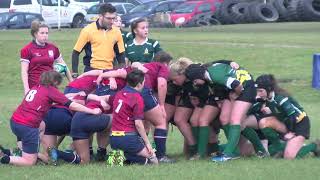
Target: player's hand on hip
{"x":113,"y":83}
{"x":234,"y":65}
{"x":96,"y":111}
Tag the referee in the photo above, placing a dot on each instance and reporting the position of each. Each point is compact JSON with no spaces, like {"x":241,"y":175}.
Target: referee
{"x":101,"y":42}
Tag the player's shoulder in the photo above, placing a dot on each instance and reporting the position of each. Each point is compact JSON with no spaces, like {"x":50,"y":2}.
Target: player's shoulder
{"x":89,"y":28}
{"x":27,"y":46}
{"x":280,"y":99}
{"x":152,"y":42}
{"x":51,"y":45}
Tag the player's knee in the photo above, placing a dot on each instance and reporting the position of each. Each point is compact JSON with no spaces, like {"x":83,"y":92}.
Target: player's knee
{"x":224,"y":118}
{"x":289,"y":155}
{"x":263,"y":123}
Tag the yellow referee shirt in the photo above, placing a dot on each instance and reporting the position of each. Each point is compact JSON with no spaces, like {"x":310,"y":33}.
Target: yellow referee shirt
{"x":99,"y":44}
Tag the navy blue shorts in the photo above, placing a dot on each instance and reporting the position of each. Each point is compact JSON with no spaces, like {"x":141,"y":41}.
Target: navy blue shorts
{"x":150,"y":101}
{"x":103,"y":90}
{"x":130,"y":143}
{"x":58,"y":121}
{"x":68,"y":90}
{"x":28,"y":135}
{"x":83,"y":124}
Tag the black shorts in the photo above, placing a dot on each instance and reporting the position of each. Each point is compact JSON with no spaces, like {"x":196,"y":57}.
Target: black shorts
{"x":58,"y":121}
{"x":83,"y":124}
{"x":211,"y":101}
{"x":171,"y":99}
{"x":249,"y":93}
{"x":302,"y":128}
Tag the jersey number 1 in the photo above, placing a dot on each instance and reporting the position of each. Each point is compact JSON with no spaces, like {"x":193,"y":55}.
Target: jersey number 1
{"x":119,"y":106}
{"x":30,"y":95}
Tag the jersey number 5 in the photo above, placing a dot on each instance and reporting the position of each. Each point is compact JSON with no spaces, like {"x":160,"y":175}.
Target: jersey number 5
{"x":30,"y":95}
{"x":119,"y":106}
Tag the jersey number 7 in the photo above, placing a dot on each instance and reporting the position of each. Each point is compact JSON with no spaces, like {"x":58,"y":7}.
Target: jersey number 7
{"x":119,"y":106}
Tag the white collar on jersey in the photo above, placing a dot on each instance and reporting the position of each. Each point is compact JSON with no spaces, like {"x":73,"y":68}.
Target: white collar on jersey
{"x":135,"y":43}
{"x":207,"y":75}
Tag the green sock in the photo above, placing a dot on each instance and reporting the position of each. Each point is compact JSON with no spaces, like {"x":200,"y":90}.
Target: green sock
{"x":253,"y":137}
{"x":195,"y":132}
{"x":213,"y":147}
{"x":203,"y":140}
{"x":272,"y":137}
{"x":192,"y":150}
{"x":226,"y":130}
{"x":306,"y":150}
{"x":233,"y":139}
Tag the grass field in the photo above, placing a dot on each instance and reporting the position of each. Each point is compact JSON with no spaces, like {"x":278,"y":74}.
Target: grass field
{"x":282,"y":49}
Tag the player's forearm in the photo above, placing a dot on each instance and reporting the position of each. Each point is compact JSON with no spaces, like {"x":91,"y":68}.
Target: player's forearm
{"x":162,"y":90}
{"x":92,"y":73}
{"x":24,"y":76}
{"x":142,"y":132}
{"x":120,"y":73}
{"x":75,"y":61}
{"x":97,"y":98}
{"x":80,"y":108}
{"x":68,"y":73}
{"x":121,"y":58}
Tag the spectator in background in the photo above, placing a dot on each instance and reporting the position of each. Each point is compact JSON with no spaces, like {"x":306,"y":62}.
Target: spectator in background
{"x":141,"y":48}
{"x":38,"y":56}
{"x":101,"y":42}
{"x":126,"y":36}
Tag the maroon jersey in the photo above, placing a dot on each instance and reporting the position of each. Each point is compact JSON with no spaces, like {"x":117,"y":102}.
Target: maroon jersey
{"x":36,"y":104}
{"x":40,"y":59}
{"x":85,"y":83}
{"x":127,"y":106}
{"x":94,"y":104}
{"x":155,"y":70}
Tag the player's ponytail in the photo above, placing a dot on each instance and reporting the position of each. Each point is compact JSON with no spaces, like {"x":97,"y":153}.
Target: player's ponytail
{"x":277,"y":88}
{"x":36,"y":25}
{"x":50,"y":78}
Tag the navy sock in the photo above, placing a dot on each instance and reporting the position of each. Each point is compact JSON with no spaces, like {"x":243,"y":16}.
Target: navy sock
{"x":135,"y":159}
{"x":160,"y":138}
{"x":5,"y":151}
{"x":91,"y":150}
{"x":69,"y":157}
{"x":101,"y":154}
{"x":5,"y":159}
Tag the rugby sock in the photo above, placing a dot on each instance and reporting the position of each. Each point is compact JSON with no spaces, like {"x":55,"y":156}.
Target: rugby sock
{"x":192,"y":149}
{"x":68,"y":157}
{"x":306,"y":150}
{"x":272,"y":137}
{"x":160,"y":138}
{"x":253,"y":137}
{"x":195,"y":132}
{"x":91,"y":150}
{"x":203,"y":140}
{"x":226,"y":130}
{"x":101,"y":154}
{"x":212,"y":148}
{"x":5,"y":159}
{"x":233,"y":140}
{"x":5,"y":151}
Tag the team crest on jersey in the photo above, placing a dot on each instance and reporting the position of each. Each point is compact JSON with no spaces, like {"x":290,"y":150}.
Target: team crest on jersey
{"x":50,"y":52}
{"x":146,"y":51}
